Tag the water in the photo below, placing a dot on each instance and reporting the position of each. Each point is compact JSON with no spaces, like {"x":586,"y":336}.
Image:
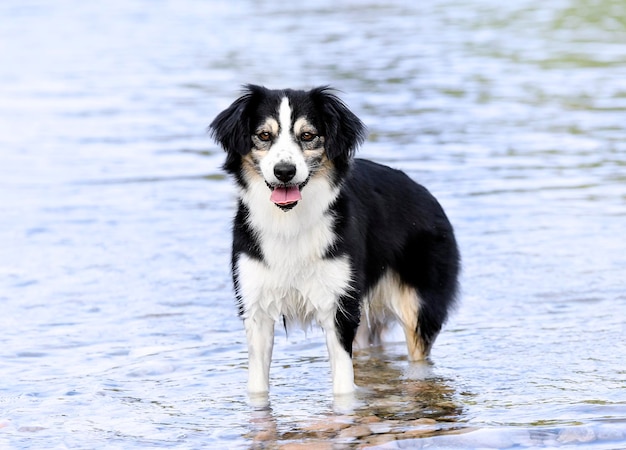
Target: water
{"x":118,"y":323}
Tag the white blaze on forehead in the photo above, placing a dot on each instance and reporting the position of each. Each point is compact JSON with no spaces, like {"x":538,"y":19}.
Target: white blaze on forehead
{"x":284,"y":117}
{"x":284,"y":149}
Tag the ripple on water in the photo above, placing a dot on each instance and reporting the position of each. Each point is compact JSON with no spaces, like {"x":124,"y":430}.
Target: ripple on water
{"x":118,"y":324}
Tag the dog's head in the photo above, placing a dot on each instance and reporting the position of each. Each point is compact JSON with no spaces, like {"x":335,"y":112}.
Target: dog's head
{"x":287,"y":137}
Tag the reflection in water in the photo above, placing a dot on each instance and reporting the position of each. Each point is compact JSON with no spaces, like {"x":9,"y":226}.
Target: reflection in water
{"x":395,"y":400}
{"x":402,"y":390}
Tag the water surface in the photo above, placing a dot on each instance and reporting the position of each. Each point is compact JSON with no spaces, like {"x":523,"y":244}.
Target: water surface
{"x":118,"y":323}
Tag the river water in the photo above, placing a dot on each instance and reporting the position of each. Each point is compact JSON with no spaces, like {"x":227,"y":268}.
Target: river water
{"x":118,"y":326}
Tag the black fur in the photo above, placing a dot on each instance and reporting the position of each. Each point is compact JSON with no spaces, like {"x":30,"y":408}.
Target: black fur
{"x":387,"y":221}
{"x":383,"y":220}
{"x":233,"y":127}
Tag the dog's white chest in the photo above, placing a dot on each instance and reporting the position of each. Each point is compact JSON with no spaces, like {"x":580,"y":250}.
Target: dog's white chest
{"x":295,"y":278}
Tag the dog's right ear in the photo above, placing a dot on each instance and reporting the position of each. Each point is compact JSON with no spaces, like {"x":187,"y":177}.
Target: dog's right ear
{"x":231,"y":127}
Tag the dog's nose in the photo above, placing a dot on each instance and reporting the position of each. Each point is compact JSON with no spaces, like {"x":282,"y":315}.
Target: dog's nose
{"x":284,"y":171}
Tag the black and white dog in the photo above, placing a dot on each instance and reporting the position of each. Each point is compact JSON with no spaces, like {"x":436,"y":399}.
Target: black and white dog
{"x":321,"y":237}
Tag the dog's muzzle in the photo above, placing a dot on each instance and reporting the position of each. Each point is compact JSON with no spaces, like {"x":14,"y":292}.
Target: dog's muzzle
{"x":285,"y":194}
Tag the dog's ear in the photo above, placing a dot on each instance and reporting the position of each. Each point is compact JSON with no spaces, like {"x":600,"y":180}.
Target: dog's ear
{"x":231,"y":127}
{"x":343,"y":130}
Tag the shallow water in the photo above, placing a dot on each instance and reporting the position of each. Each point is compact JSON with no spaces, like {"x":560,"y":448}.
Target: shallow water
{"x":118,"y":323}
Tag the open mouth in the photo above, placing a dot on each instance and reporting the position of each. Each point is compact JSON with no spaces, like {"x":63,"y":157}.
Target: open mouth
{"x":286,"y":196}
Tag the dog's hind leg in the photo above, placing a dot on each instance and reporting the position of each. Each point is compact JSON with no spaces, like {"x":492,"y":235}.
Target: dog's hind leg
{"x":392,"y":299}
{"x":260,"y":336}
{"x":407,"y":308}
{"x":369,"y":331}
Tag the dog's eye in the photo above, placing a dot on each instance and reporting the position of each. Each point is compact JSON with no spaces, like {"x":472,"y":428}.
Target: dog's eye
{"x":265,"y":136}
{"x":307,"y":137}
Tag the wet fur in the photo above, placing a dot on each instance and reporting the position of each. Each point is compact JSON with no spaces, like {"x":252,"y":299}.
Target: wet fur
{"x":365,"y":246}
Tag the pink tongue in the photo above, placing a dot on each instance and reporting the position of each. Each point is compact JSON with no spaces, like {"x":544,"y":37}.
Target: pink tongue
{"x":285,"y":195}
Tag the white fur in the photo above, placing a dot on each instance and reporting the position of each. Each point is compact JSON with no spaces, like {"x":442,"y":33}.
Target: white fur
{"x":294,"y":280}
{"x":260,"y":337}
{"x":285,"y":149}
{"x":273,"y":223}
{"x":301,"y":286}
{"x":303,"y":291}
{"x":340,"y":362}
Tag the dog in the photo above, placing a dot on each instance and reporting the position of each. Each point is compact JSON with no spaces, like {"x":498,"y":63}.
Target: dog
{"x":320,"y":236}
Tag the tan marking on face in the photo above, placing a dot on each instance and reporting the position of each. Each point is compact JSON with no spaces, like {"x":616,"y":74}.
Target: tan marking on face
{"x":249,"y":166}
{"x":312,"y":150}
{"x":303,"y":125}
{"x":270,"y":125}
{"x":324,"y":168}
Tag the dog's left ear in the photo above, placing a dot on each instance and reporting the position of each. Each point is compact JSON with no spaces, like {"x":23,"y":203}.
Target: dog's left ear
{"x":343,"y":130}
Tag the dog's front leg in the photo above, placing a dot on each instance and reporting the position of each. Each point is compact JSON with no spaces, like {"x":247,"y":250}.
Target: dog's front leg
{"x":260,"y":335}
{"x":340,"y":363}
